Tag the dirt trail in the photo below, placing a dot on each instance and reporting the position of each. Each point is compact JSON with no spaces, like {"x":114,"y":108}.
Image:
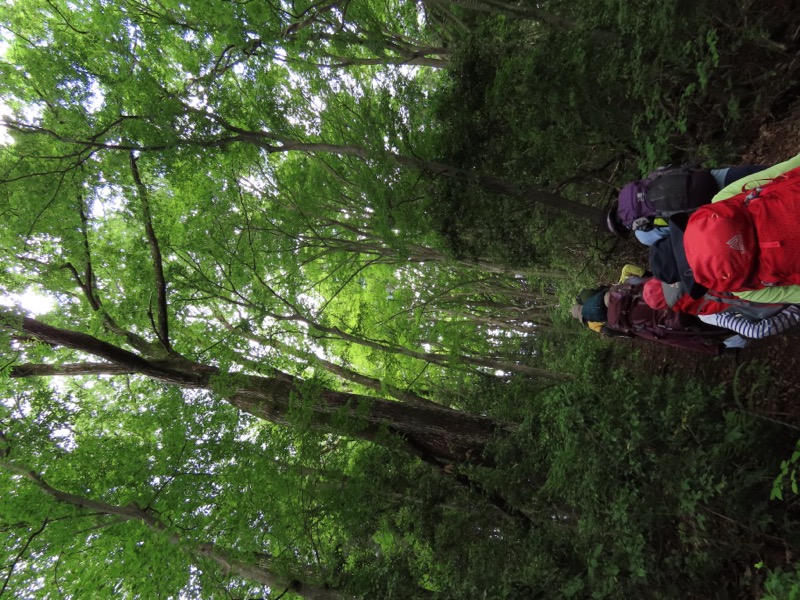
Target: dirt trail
{"x":778,"y":139}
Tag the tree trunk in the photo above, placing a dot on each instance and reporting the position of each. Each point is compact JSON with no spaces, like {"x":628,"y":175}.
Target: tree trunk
{"x":275,"y":144}
{"x":435,"y":433}
{"x":411,"y":59}
{"x":534,"y":196}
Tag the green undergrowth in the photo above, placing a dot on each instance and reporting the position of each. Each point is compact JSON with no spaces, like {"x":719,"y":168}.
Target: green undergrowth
{"x":782,"y":584}
{"x":582,"y":109}
{"x":631,"y":486}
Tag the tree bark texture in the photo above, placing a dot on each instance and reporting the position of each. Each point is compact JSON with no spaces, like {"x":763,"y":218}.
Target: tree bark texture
{"x":432,"y":432}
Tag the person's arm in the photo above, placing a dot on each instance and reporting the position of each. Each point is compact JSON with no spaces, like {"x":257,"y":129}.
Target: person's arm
{"x":777,"y":294}
{"x":648,"y":238}
{"x":755,"y":329}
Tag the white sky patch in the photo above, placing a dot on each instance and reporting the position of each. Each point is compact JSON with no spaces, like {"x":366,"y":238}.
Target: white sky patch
{"x":198,"y":100}
{"x":318,"y":351}
{"x":259,"y":350}
{"x":310,"y":301}
{"x":65,"y":439}
{"x":108,"y":200}
{"x":5,"y":139}
{"x":30,"y":300}
{"x":421,"y":15}
{"x":32,"y":113}
{"x":96,"y":97}
{"x":315,"y":104}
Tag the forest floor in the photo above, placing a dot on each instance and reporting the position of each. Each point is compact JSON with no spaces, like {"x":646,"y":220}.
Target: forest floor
{"x":765,"y":376}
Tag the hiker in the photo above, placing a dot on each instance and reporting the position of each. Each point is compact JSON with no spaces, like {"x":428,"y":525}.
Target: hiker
{"x":643,"y":206}
{"x":745,"y":319}
{"x":590,"y":306}
{"x":747,"y":242}
{"x":620,"y":310}
{"x":674,"y":286}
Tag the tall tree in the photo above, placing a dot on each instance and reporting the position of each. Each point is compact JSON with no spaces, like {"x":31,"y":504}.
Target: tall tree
{"x":213,"y":222}
{"x":103,"y":500}
{"x":435,"y":433}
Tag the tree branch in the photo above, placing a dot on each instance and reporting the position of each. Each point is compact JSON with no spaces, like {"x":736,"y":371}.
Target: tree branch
{"x":88,"y":285}
{"x":20,"y":554}
{"x":194,"y":376}
{"x":443,"y":432}
{"x":162,"y":331}
{"x":69,"y":370}
{"x":338,"y":370}
{"x":132,"y":512}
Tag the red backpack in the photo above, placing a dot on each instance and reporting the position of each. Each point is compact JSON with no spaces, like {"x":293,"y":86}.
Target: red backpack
{"x":658,"y":295}
{"x":749,"y":241}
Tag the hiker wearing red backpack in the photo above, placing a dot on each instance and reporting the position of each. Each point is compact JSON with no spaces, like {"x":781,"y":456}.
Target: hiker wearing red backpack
{"x":682,"y":293}
{"x":644,"y":205}
{"x":747,"y":242}
{"x":675,"y":287}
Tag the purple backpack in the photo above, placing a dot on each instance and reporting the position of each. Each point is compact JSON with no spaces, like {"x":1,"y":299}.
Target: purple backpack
{"x":663,"y":193}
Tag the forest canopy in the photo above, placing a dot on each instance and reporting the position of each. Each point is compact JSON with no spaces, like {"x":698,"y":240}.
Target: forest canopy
{"x":283,"y":291}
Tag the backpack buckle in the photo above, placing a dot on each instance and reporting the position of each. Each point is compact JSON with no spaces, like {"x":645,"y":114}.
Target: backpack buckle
{"x":752,"y":195}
